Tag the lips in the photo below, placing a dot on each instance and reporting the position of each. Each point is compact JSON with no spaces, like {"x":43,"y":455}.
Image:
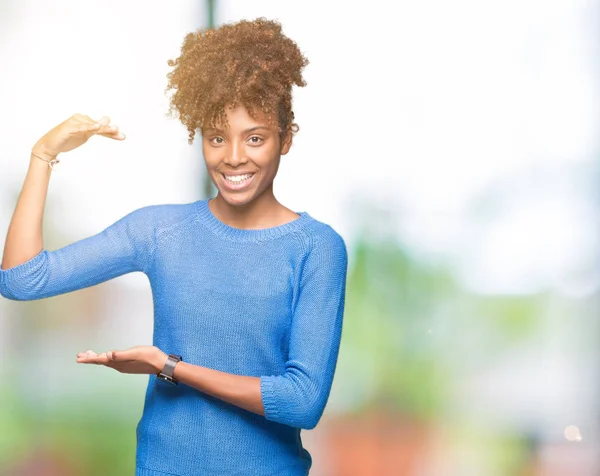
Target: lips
{"x":237,"y":182}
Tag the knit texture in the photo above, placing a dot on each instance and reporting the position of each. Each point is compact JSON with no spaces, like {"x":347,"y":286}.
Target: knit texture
{"x":267,"y":303}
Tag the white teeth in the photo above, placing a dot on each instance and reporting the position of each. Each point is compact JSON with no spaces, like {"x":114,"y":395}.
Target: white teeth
{"x":237,"y":178}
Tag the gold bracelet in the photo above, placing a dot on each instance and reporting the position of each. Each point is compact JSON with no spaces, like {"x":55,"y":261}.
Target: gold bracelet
{"x":51,"y":163}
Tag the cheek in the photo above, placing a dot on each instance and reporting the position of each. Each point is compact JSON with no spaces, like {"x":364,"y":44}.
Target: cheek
{"x":209,"y":153}
{"x":210,"y":159}
{"x":267,"y":165}
{"x":269,"y":168}
{"x":266,"y":157}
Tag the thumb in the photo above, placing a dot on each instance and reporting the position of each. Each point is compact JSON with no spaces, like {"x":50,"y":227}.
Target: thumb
{"x":112,"y":355}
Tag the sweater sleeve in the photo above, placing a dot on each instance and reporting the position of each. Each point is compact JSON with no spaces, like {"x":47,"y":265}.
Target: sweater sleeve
{"x":298,"y":397}
{"x":123,"y":247}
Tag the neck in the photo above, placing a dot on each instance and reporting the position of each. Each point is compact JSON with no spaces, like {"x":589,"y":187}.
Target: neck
{"x":262,"y":212}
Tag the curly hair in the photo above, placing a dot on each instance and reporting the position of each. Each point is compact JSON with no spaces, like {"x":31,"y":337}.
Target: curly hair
{"x":248,"y":63}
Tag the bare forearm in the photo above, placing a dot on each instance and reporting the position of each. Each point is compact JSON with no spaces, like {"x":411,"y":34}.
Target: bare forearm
{"x":238,"y":390}
{"x":24,"y":239}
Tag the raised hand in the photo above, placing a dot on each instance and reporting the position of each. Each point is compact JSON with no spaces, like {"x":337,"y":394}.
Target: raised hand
{"x":74,"y":132}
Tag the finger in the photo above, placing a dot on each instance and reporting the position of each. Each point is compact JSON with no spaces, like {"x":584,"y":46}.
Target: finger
{"x":87,"y":353}
{"x":102,"y":359}
{"x":85,"y":127}
{"x":83,"y":119}
{"x":122,"y":355}
{"x":118,"y":355}
{"x":105,"y":129}
{"x":92,"y":358}
{"x":94,"y":128}
{"x":113,"y":135}
{"x":88,"y":119}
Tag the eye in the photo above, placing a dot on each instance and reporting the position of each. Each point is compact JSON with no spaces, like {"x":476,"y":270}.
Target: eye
{"x":212,"y":140}
{"x":260,"y":139}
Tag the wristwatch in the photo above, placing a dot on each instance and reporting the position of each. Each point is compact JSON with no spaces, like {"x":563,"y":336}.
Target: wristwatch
{"x":166,"y":374}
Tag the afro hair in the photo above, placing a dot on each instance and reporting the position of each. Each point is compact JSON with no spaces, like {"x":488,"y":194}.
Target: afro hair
{"x":247,"y":63}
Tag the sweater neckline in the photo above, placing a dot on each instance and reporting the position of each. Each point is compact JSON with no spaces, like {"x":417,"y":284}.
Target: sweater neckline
{"x":219,"y":228}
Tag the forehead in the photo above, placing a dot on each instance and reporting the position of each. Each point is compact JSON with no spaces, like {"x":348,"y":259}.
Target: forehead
{"x":238,"y":118}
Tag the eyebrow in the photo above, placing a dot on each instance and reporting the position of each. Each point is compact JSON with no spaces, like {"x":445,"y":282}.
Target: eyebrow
{"x":211,"y":129}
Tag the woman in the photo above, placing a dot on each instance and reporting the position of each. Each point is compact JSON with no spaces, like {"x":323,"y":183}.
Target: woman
{"x":248,"y":294}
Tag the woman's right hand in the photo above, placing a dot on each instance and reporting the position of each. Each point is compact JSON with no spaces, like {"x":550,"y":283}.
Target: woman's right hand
{"x":73,"y":132}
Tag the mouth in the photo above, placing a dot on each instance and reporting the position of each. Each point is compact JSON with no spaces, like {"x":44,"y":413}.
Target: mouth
{"x":237,"y":182}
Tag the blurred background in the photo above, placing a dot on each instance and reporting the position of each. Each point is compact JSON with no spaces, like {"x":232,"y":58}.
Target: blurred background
{"x":454,"y":146}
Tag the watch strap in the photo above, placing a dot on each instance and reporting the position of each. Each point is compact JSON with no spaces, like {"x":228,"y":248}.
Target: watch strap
{"x":166,"y":373}
{"x":169,"y":367}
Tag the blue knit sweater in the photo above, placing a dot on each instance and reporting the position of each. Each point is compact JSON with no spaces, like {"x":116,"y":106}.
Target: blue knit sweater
{"x":267,"y":303}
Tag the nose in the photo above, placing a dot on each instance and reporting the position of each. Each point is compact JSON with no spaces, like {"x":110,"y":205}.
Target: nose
{"x":235,"y":155}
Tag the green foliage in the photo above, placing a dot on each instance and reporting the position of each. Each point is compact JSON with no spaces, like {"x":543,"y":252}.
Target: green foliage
{"x":404,"y":324}
{"x":87,"y":438}
{"x":389,"y":321}
{"x":513,"y":316}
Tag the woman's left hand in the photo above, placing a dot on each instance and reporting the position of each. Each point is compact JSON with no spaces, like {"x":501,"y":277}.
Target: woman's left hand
{"x":141,"y":359}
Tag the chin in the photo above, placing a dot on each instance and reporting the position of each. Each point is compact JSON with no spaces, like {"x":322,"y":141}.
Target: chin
{"x":236,"y":199}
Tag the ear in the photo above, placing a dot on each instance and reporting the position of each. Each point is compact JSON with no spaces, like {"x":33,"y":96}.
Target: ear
{"x":286,"y":142}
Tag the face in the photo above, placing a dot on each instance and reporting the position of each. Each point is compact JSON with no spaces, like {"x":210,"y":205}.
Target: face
{"x":243,"y":158}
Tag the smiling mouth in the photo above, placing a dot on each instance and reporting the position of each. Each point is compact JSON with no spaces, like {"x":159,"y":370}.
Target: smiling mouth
{"x":236,"y":182}
{"x":237,"y":178}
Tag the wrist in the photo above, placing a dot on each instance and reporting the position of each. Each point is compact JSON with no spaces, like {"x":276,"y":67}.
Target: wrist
{"x":41,"y":150}
{"x":37,"y":161}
